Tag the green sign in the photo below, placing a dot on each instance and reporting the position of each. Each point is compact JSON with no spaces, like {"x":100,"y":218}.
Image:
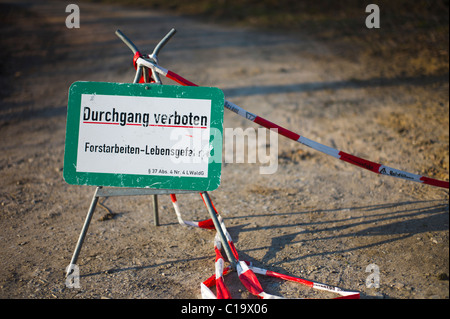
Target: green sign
{"x":144,"y":135}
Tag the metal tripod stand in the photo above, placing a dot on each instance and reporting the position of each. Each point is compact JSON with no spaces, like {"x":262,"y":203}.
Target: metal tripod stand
{"x":144,"y":75}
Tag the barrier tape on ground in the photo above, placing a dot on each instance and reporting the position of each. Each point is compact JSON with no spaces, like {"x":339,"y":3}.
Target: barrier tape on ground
{"x":221,"y":289}
{"x":344,"y":294}
{"x":210,"y":282}
{"x":354,"y":160}
{"x":257,"y":290}
{"x":246,"y":275}
{"x":249,"y":280}
{"x":246,"y":272}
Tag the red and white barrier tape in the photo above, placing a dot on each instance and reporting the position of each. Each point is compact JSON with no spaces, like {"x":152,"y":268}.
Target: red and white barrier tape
{"x":344,"y":294}
{"x":210,"y":282}
{"x":205,"y":224}
{"x":363,"y":163}
{"x":246,"y":276}
{"x":246,"y":272}
{"x":249,"y":280}
{"x":221,"y":289}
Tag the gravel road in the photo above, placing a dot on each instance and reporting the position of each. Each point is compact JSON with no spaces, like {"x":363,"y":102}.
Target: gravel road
{"x":315,"y":217}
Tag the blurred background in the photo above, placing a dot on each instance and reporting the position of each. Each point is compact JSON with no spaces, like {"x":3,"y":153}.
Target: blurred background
{"x":413,"y":35}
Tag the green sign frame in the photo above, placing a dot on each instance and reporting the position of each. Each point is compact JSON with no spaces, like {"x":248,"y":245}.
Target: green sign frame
{"x":104,"y":148}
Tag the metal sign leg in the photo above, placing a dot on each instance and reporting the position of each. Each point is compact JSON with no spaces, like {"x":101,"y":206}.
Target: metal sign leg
{"x":99,"y":192}
{"x":223,"y":239}
{"x":107,"y":192}
{"x":83,"y":231}
{"x":155,"y":210}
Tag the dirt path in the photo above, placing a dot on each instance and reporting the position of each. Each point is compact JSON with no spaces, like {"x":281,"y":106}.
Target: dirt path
{"x":316,"y":217}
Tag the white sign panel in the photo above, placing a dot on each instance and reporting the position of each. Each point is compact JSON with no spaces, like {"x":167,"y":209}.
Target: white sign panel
{"x":138,"y":135}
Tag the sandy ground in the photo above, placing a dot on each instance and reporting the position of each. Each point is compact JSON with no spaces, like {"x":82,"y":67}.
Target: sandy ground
{"x":316,"y":217}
